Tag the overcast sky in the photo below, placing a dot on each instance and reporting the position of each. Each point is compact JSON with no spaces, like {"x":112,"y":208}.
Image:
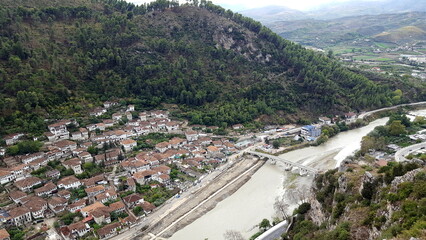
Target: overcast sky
{"x":247,"y":4}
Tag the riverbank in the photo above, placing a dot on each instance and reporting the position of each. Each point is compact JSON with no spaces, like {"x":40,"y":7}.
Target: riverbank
{"x":254,"y":201}
{"x":385,"y":112}
{"x":205,"y":199}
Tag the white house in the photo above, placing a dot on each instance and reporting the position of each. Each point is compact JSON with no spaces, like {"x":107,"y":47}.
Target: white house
{"x":69,"y":182}
{"x":324,"y":120}
{"x":128,"y":144}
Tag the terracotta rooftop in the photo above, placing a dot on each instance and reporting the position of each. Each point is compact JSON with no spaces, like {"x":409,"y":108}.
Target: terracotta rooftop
{"x":15,"y":195}
{"x":132,"y":198}
{"x":27,"y":182}
{"x":94,"y":189}
{"x":55,"y":201}
{"x":162,"y":169}
{"x":147,"y":206}
{"x":212,"y":149}
{"x":129,"y":220}
{"x":4,"y":234}
{"x":162,"y":145}
{"x":115,"y":206}
{"x":143,"y":174}
{"x":35,"y":203}
{"x":176,"y":140}
{"x":108,"y":229}
{"x":19,"y":211}
{"x":63,"y":193}
{"x":64,"y":143}
{"x":128,"y":142}
{"x":78,"y":226}
{"x":81,"y":202}
{"x":46,"y":188}
{"x":68,"y":180}
{"x":92,"y":207}
{"x":72,"y":162}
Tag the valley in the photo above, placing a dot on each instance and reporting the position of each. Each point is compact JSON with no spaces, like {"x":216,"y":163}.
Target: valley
{"x":391,"y":43}
{"x":185,"y":120}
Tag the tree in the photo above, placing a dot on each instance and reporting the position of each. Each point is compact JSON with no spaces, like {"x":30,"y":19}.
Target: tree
{"x":265,"y":224}
{"x":137,"y":210}
{"x":396,"y":128}
{"x":368,"y":142}
{"x":281,"y":207}
{"x":368,"y":190}
{"x":304,"y":208}
{"x":233,"y":235}
{"x":16,"y":233}
{"x":401,"y":117}
{"x":300,"y":195}
{"x":276,"y":144}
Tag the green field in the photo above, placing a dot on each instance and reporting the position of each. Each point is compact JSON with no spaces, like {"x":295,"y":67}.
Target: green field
{"x":373,"y":58}
{"x":384,"y":45}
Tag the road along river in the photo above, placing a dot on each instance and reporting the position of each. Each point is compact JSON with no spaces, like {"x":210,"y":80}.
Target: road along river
{"x":254,"y":200}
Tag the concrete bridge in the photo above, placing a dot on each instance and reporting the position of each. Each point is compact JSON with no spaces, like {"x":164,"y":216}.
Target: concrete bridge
{"x":288,"y":164}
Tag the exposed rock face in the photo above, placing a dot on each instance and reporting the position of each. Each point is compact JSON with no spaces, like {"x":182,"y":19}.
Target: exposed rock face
{"x":343,"y":184}
{"x":368,"y":177}
{"x":408,"y":177}
{"x":316,"y":213}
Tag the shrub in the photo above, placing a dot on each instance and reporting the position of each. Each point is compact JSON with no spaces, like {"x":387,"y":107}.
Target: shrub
{"x":303,"y":208}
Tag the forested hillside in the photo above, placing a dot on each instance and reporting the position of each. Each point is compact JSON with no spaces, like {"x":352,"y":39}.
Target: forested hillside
{"x":61,"y":58}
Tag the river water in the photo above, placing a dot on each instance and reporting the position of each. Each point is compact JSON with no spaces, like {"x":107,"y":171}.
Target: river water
{"x":254,"y":200}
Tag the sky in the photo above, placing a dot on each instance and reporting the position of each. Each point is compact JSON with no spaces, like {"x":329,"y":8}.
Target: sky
{"x":237,"y":5}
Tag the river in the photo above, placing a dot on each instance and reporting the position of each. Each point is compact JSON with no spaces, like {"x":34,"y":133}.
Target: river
{"x":254,"y":200}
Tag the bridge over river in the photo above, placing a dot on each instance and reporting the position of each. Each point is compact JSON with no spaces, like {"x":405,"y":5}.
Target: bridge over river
{"x":288,"y":164}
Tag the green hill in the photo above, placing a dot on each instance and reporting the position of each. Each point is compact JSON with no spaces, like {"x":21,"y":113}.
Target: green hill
{"x":402,"y":35}
{"x":344,"y":31}
{"x":62,"y":58}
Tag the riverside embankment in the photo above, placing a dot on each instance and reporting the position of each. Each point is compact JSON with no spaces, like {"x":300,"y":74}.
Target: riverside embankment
{"x":244,"y":209}
{"x":254,"y":201}
{"x":205,"y":199}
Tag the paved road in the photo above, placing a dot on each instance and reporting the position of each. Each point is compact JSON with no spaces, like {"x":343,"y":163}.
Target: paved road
{"x":275,"y":232}
{"x":401,"y":153}
{"x":366,"y":114}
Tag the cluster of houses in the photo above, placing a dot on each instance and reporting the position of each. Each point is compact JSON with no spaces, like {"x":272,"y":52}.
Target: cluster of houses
{"x":37,"y":197}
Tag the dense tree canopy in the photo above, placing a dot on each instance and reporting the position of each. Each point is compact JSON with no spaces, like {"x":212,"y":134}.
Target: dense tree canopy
{"x":221,"y":68}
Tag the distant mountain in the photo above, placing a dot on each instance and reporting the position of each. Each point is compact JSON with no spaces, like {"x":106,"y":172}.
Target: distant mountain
{"x":271,"y":14}
{"x":358,"y":8}
{"x":396,"y":28}
{"x":274,"y":13}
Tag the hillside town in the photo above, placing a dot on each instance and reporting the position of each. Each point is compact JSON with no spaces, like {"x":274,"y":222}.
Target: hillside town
{"x":106,"y":175}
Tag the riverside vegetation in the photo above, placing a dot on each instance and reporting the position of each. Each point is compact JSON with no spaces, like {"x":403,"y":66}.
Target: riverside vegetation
{"x":60,"y":58}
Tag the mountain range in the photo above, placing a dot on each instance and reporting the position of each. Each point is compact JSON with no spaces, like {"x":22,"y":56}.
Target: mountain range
{"x":393,"y":28}
{"x":268,"y":14}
